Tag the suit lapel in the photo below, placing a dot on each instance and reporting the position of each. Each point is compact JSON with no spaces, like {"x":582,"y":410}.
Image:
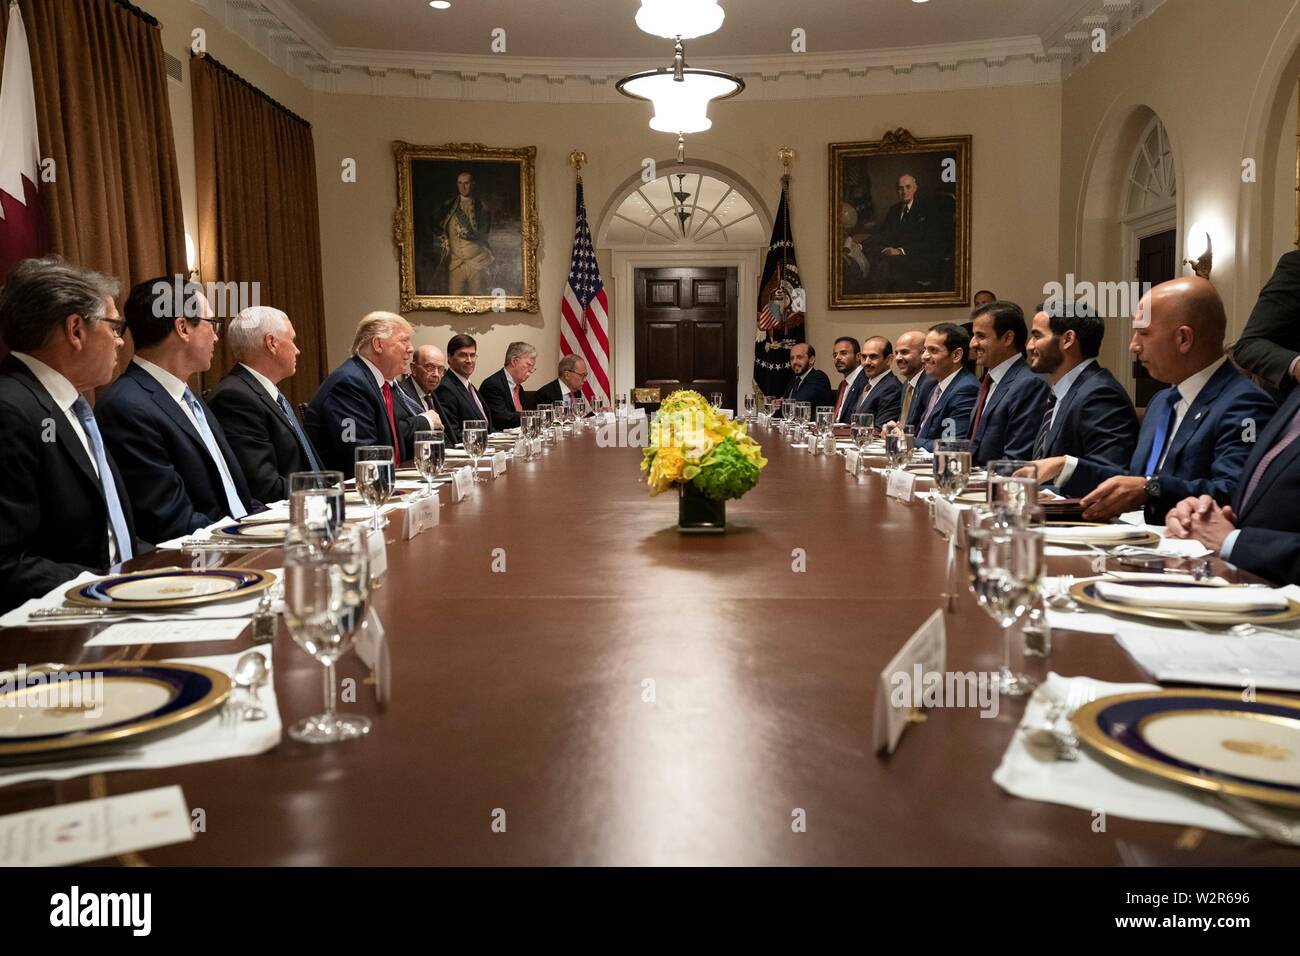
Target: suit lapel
{"x":63,"y":431}
{"x":170,"y":407}
{"x":1067,"y":403}
{"x":1276,"y":426}
{"x":246,"y":377}
{"x":1196,"y":415}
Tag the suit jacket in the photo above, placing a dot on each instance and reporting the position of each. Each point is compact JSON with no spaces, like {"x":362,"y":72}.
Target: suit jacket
{"x":851,"y":396}
{"x":1012,"y":416}
{"x":885,"y":401}
{"x":1269,"y":523}
{"x":348,"y":411}
{"x":1270,"y":342}
{"x":956,"y":404}
{"x":495,"y":394}
{"x":815,"y":389}
{"x":259,"y":432}
{"x":174,"y":484}
{"x":548,"y":394}
{"x":918,"y":235}
{"x":920,"y":398}
{"x":1206,"y":454}
{"x":456,"y":399}
{"x":407,"y":385}
{"x":53,"y":517}
{"x":1095,"y":420}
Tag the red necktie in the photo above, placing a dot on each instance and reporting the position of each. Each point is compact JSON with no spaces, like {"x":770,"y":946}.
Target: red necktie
{"x":514,"y":393}
{"x":839,"y":399}
{"x":979,"y":406}
{"x":392,"y":422}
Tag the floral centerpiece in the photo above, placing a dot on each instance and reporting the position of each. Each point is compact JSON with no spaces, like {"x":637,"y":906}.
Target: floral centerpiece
{"x":710,"y":458}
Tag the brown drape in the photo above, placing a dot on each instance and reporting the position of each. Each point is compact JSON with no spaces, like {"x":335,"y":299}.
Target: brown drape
{"x":258,"y":214}
{"x":101,"y":104}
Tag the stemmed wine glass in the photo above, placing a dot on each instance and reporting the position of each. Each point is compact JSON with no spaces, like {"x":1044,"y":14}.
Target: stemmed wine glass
{"x":374,"y":474}
{"x":581,"y":407}
{"x":473,"y":437}
{"x":1005,"y":566}
{"x":325,"y":598}
{"x":544,"y":414}
{"x":430,"y":455}
{"x":952,"y":466}
{"x":528,"y":430}
{"x":316,"y":505}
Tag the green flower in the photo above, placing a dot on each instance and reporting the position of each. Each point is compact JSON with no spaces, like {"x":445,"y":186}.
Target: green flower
{"x":727,"y":472}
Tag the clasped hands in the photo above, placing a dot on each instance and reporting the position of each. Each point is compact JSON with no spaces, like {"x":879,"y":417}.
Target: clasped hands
{"x":1202,"y":519}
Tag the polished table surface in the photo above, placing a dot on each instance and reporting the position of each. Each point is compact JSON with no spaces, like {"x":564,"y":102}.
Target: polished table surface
{"x":524,"y":689}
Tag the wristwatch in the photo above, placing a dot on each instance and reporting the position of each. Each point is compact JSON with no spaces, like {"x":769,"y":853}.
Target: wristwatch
{"x":1153,"y":487}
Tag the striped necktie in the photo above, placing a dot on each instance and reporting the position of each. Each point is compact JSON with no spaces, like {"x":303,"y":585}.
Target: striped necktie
{"x":116,"y":516}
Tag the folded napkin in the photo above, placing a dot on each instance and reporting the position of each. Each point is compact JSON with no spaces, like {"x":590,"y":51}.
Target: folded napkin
{"x":1105,"y":534}
{"x":195,"y":741}
{"x":1226,"y":599}
{"x":1094,"y":782}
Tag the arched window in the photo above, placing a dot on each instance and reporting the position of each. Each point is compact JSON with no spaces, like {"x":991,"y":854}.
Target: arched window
{"x":1151,"y":180}
{"x":688,"y":208}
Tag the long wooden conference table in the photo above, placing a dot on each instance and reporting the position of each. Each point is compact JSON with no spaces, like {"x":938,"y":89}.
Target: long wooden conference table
{"x":527,"y":690}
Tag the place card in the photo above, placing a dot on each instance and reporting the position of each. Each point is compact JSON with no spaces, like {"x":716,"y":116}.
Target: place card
{"x":71,"y":833}
{"x":498,"y":464}
{"x":167,"y":632}
{"x":902,"y":682}
{"x":421,"y":515}
{"x":462,"y":482}
{"x":377,"y":548}
{"x":901,"y":484}
{"x":949,"y":518}
{"x":372,"y":648}
{"x":851,"y":458}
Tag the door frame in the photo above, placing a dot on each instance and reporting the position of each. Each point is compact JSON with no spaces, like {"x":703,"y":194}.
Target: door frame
{"x":1133,"y":230}
{"x":746,"y":260}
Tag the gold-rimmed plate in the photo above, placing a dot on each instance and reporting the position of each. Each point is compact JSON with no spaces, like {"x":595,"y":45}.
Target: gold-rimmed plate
{"x":60,"y":708}
{"x":1207,"y":739}
{"x":1085,"y":592}
{"x":169,"y":588}
{"x":1128,"y":535}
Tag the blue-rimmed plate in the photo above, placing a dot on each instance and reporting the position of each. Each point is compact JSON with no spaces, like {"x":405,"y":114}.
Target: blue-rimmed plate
{"x":1207,"y":739}
{"x":172,"y":587}
{"x":81,"y":705}
{"x":265,"y":531}
{"x":1085,"y":592}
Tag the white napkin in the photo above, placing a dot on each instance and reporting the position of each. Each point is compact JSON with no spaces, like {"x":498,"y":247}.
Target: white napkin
{"x":196,"y":741}
{"x":1194,"y":599}
{"x":1094,"y":782}
{"x":1111,"y":533}
{"x":21,"y":615}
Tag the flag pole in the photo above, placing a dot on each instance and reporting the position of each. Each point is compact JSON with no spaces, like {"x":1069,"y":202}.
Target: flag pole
{"x":786,"y":155}
{"x":578,"y":159}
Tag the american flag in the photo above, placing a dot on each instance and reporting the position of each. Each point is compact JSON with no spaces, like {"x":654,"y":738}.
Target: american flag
{"x":585,"y":329}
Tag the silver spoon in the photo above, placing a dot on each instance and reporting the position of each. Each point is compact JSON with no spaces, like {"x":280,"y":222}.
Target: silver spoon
{"x":250,"y":671}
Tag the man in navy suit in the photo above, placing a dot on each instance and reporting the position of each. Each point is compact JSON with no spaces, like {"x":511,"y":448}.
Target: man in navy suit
{"x":420,"y":388}
{"x":914,"y":385}
{"x":179,"y":469}
{"x":64,"y":509}
{"x":459,"y":398}
{"x":571,"y":376}
{"x":1012,"y":399}
{"x":809,"y":384}
{"x":883,"y":395}
{"x":1260,"y":531}
{"x":358,"y":404}
{"x":849,"y":364}
{"x":503,"y":391}
{"x":1198,"y":433}
{"x":947,"y":411}
{"x":1269,"y":347}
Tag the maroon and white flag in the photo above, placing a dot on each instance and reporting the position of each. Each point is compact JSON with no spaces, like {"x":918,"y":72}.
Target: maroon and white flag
{"x":24,"y":231}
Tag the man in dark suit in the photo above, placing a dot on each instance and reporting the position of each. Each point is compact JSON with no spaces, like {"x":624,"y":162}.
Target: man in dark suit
{"x":809,"y":384}
{"x":1269,"y":347}
{"x":460,"y":400}
{"x":358,"y":404}
{"x":1260,"y":531}
{"x":1198,"y":433}
{"x":882,"y":392}
{"x":64,"y":509}
{"x":258,"y":420}
{"x":181,"y":472}
{"x":914,"y":385}
{"x":428,"y":366}
{"x":1012,"y":399}
{"x":572,"y":375}
{"x":947,"y":411}
{"x":503,"y":391}
{"x":848,"y":363}
{"x":906,"y":248}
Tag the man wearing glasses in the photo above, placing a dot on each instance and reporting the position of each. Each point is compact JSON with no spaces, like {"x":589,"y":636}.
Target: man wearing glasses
{"x":572,"y":376}
{"x":179,"y":470}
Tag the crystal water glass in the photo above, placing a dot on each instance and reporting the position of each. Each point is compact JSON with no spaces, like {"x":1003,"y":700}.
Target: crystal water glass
{"x":473,"y":437}
{"x":1005,"y":567}
{"x":375,"y":477}
{"x":952,"y":466}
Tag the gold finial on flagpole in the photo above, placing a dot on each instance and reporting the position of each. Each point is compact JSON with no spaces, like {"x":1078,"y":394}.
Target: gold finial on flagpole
{"x":578,"y":159}
{"x":786,"y":155}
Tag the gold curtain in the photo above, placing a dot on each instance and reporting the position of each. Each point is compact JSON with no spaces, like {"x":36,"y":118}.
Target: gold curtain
{"x":258,"y":215}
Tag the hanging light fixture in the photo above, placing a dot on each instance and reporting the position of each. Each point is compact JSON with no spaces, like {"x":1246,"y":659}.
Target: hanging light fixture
{"x":685,"y":19}
{"x":681,"y":195}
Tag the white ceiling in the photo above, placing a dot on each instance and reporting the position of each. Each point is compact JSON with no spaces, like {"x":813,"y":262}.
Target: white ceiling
{"x":605,"y":28}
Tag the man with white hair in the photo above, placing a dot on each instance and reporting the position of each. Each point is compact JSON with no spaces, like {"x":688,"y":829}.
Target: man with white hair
{"x":503,"y":390}
{"x":358,"y":404}
{"x":420,"y":388}
{"x":259,"y":421}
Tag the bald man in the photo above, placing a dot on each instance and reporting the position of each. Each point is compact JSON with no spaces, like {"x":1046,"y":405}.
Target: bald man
{"x":1197,"y":434}
{"x":428,"y":366}
{"x":905,"y":257}
{"x":914,"y":384}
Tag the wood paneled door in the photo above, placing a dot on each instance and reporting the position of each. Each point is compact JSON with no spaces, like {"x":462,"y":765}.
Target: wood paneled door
{"x":1156,"y":264}
{"x":686,"y":330}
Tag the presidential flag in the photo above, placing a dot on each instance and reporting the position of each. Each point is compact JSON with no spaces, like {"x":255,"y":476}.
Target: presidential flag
{"x":24,"y":232}
{"x":781,"y":305}
{"x":584,"y":330}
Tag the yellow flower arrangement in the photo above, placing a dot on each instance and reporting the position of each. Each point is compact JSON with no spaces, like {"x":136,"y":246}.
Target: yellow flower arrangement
{"x":691,"y":442}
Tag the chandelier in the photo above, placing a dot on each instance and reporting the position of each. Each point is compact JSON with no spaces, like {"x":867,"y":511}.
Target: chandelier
{"x":680,"y":93}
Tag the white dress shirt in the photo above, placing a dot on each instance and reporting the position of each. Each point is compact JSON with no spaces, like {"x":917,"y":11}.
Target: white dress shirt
{"x":265,"y":382}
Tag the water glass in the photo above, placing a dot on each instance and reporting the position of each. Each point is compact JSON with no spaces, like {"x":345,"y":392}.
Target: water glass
{"x":430,"y":456}
{"x":473,"y":437}
{"x":316,"y":505}
{"x":952,"y":466}
{"x":1005,"y":567}
{"x":375,"y":477}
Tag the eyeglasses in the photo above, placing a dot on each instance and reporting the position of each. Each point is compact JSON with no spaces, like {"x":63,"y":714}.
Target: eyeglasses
{"x":215,"y":323}
{"x":117,"y":325}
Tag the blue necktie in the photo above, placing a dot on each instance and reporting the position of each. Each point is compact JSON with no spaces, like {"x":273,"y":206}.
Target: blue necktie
{"x":116,"y":517}
{"x":303,"y":443}
{"x":1163,"y":427}
{"x":237,"y":509}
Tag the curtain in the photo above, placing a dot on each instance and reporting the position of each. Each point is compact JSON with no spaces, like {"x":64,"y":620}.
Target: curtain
{"x":258,"y":215}
{"x":101,"y":103}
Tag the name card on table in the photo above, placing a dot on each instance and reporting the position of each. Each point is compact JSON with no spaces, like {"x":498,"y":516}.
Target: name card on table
{"x":947,"y":516}
{"x":498,"y":464}
{"x":902,"y":683}
{"x":901,"y":484}
{"x":462,"y":482}
{"x":372,"y":648}
{"x":421,"y":515}
{"x":851,"y":457}
{"x":377,"y":549}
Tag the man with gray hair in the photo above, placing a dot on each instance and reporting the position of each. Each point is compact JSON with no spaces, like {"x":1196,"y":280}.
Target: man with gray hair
{"x":428,"y":366}
{"x":64,"y":508}
{"x":260,"y":423}
{"x":503,"y":390}
{"x":572,"y":376}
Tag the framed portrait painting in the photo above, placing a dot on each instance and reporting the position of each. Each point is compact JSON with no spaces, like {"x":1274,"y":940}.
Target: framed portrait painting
{"x":466,"y":227}
{"x":900,"y":222}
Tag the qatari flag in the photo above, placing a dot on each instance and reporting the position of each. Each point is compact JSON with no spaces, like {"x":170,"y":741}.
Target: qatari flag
{"x":24,"y":231}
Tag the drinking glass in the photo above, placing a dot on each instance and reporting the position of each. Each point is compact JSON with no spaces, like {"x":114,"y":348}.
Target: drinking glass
{"x":1013,"y":487}
{"x":528,"y":430}
{"x":473,"y":437}
{"x":952,"y":466}
{"x":544,"y":413}
{"x":1005,"y":566}
{"x":895,"y":447}
{"x":749,"y":405}
{"x":861,"y":425}
{"x":316,"y":505}
{"x":430,"y":455}
{"x":581,"y":407}
{"x":909,"y":442}
{"x":716,"y":399}
{"x":325,"y":600}
{"x":374,"y":474}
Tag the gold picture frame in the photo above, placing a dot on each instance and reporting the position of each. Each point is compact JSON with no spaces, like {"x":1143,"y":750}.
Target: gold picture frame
{"x":466,"y":252}
{"x":867,"y":229}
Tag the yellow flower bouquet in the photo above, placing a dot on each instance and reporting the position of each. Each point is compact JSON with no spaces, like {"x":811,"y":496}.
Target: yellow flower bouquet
{"x":693,"y":446}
